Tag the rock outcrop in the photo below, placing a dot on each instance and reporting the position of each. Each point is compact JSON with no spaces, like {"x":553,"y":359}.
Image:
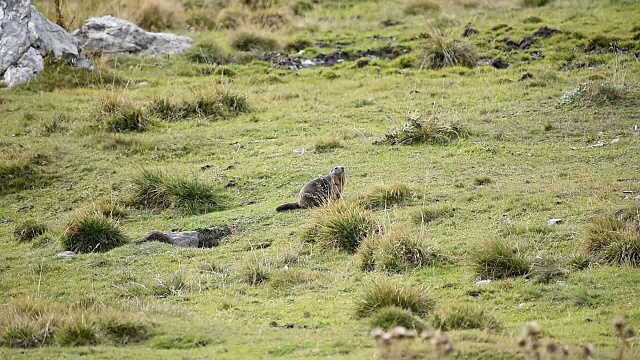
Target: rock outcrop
{"x":110,"y":35}
{"x":207,"y":238}
{"x":26,"y":37}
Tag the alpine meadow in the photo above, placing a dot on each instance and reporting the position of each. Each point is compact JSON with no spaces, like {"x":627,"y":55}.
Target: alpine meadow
{"x":490,"y":204}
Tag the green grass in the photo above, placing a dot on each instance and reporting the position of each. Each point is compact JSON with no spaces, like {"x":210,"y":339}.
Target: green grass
{"x":341,"y":225}
{"x":91,"y":232}
{"x":252,"y":132}
{"x":385,"y":293}
{"x":155,"y":189}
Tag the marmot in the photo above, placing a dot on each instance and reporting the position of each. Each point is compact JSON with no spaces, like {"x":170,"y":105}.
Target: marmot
{"x":319,"y":191}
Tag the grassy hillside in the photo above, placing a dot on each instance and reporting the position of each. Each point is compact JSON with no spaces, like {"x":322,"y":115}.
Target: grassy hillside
{"x":454,"y":169}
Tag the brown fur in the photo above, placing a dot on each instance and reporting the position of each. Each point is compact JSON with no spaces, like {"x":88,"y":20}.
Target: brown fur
{"x":319,"y":191}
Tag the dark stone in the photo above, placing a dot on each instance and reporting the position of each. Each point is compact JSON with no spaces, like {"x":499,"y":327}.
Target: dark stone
{"x":469,"y":31}
{"x":546,"y":32}
{"x":526,"y":76}
{"x":389,"y":22}
{"x":500,"y":64}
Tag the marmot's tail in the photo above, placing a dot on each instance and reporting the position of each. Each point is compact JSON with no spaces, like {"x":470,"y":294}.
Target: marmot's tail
{"x":290,"y":206}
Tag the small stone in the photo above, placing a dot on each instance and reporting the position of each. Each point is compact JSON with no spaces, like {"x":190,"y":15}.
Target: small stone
{"x":521,"y":305}
{"x":143,"y":83}
{"x":67,"y":254}
{"x":561,"y":283}
{"x":526,"y":76}
{"x":554,"y":221}
{"x":301,"y":52}
{"x":627,"y":192}
{"x":615,"y":140}
{"x":483,"y":282}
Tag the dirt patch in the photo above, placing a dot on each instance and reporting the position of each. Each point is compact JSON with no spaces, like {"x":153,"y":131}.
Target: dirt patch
{"x":326,"y":60}
{"x":389,"y":22}
{"x":200,"y":238}
{"x":546,"y":32}
{"x":568,"y":66}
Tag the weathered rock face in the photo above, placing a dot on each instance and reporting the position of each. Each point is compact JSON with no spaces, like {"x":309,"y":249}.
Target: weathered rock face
{"x":26,"y":37}
{"x":109,"y":35}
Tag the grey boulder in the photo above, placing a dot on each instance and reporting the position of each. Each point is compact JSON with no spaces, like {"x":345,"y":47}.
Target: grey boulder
{"x":110,"y":35}
{"x":26,"y":37}
{"x":207,"y":238}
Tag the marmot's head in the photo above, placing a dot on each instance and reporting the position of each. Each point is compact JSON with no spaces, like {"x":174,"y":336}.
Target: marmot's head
{"x":337,"y":171}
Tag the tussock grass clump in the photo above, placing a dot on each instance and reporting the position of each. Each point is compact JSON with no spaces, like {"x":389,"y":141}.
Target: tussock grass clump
{"x":29,"y":229}
{"x":123,"y":329}
{"x":301,"y":7}
{"x":432,"y":213}
{"x":442,"y":51}
{"x":199,"y":19}
{"x":397,"y":251}
{"x":27,"y":323}
{"x":59,"y":75}
{"x":171,"y":285}
{"x":297,"y":45}
{"x":614,"y":239}
{"x":269,"y":19}
{"x":591,"y":93}
{"x":463,"y":317}
{"x":158,"y":15}
{"x":231,"y":18}
{"x":91,"y":232}
{"x":55,"y":125}
{"x":417,"y":130}
{"x":383,"y":196}
{"x":342,"y":225}
{"x":419,"y":7}
{"x":389,"y":317}
{"x":254,"y":271}
{"x":498,"y":259}
{"x":154,"y":189}
{"x":482,"y":180}
{"x":259,"y":4}
{"x":120,"y":114}
{"x":388,"y":293}
{"x":535,"y":3}
{"x":327,"y":144}
{"x":216,"y":104}
{"x":284,"y":279}
{"x":250,"y":41}
{"x":546,"y":268}
{"x":80,"y":331}
{"x":206,"y":53}
{"x":111,"y":210}
{"x":21,"y":174}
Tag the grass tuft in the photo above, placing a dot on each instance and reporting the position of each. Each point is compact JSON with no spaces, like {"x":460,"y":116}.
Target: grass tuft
{"x":342,"y":225}
{"x":249,"y":41}
{"x":254,"y":271}
{"x":464,"y":317}
{"x":431,"y":213}
{"x":327,"y":144}
{"x":123,"y":329}
{"x":397,"y":251}
{"x":120,"y":114}
{"x":269,"y":19}
{"x":420,"y":7}
{"x":206,"y":53}
{"x":154,"y":189}
{"x":387,"y":293}
{"x":442,"y":51}
{"x":170,"y":286}
{"x":614,"y":239}
{"x":591,"y":93}
{"x":498,"y":259}
{"x":416,"y":130}
{"x":59,"y":76}
{"x":389,"y":317}
{"x":216,"y":104}
{"x":91,"y":232}
{"x":535,"y":3}
{"x":29,"y":229}
{"x":21,"y":174}
{"x":77,"y":332}
{"x":383,"y":196}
